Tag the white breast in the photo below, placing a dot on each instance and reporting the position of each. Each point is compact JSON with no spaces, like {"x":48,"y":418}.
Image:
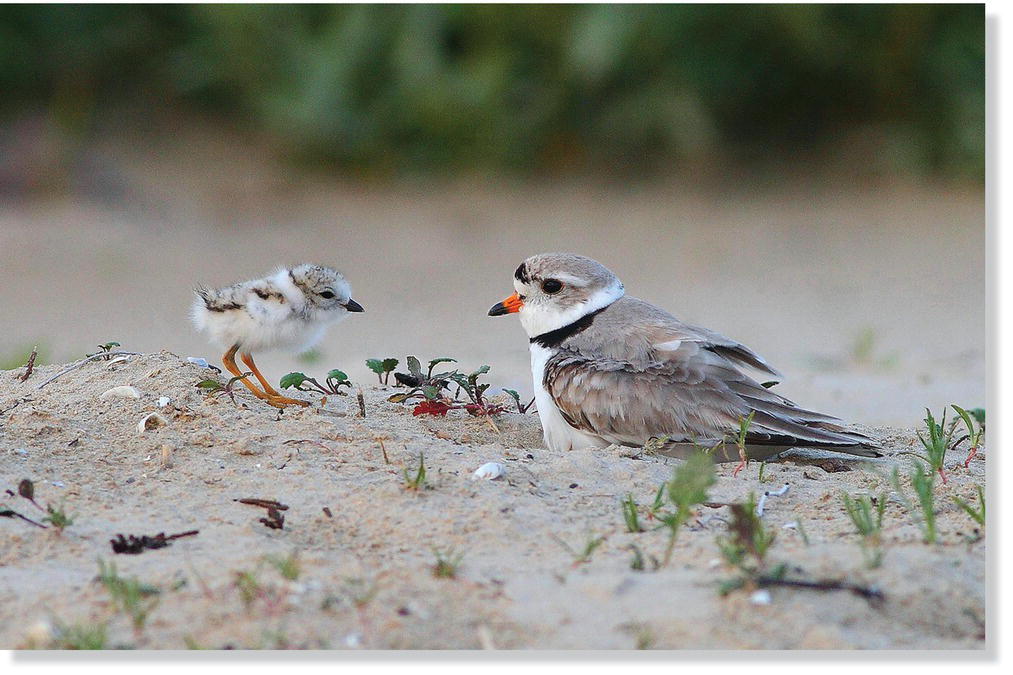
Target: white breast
{"x":557,"y":433}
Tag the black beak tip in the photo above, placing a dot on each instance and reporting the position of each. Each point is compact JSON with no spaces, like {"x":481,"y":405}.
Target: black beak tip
{"x":498,"y":310}
{"x":353,"y":306}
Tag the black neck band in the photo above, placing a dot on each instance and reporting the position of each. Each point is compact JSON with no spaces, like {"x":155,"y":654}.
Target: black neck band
{"x":554,"y":338}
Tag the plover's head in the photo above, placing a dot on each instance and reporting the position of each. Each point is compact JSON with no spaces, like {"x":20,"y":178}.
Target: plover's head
{"x":556,"y":289}
{"x":326,"y":290}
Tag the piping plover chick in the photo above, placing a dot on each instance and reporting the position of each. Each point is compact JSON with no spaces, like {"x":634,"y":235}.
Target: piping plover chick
{"x":611,"y":369}
{"x":290,"y":308}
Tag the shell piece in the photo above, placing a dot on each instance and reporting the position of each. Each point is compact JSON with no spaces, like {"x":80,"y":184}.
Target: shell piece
{"x":150,"y":421}
{"x":121,"y":392}
{"x":760,"y":597}
{"x":489,"y":471}
{"x":163,"y":401}
{"x":197,"y":361}
{"x":118,"y":360}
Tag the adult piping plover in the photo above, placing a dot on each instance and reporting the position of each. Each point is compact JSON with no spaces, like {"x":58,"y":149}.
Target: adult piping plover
{"x":611,"y":369}
{"x":290,"y":308}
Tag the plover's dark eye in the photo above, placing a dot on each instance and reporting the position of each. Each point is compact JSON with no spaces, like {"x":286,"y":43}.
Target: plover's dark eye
{"x":327,"y":294}
{"x":551,"y":286}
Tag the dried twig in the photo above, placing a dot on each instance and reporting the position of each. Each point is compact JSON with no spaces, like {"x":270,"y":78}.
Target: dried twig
{"x":6,"y":512}
{"x":868,"y":592}
{"x":30,"y":366}
{"x":93,"y":357}
{"x":263,"y":503}
{"x":135,"y":545}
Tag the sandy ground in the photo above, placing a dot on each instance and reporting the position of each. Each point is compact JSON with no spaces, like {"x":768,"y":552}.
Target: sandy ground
{"x":366,"y":578}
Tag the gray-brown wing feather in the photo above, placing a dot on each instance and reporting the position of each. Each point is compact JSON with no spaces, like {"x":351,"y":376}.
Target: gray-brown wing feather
{"x":695,"y":393}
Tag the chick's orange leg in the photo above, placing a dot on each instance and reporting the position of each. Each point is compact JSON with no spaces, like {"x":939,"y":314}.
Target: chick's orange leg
{"x":276,"y":398}
{"x":230,"y":365}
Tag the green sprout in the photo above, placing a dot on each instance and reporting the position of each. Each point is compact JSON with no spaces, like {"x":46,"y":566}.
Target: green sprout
{"x":288,"y":566}
{"x":974,"y":436}
{"x":687,"y":488}
{"x":79,"y":636}
{"x":137,"y":600}
{"x":58,"y":518}
{"x":418,"y":481}
{"x":747,"y":546}
{"x":382,"y":367}
{"x":216,"y":388}
{"x":937,"y":443}
{"x":977,"y":515}
{"x":521,"y":408}
{"x":333,"y":382}
{"x":923,"y":483}
{"x":868,"y":521}
{"x":630,"y":515}
{"x":740,"y":441}
{"x":104,"y":348}
{"x":447,"y":563}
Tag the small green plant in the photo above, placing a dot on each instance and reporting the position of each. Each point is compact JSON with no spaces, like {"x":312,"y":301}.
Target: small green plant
{"x":659,"y":501}
{"x":431,"y":391}
{"x":216,"y":388}
{"x":447,"y":563}
{"x":583,"y":555}
{"x":418,"y":481}
{"x":740,"y":441}
{"x":977,"y":514}
{"x":937,"y":443}
{"x":522,"y":408}
{"x":79,"y":636}
{"x":58,"y":518}
{"x":923,"y":483}
{"x":630,"y":515}
{"x":868,"y":521}
{"x":288,"y":566}
{"x":687,"y":488}
{"x":137,"y":600}
{"x":104,"y":348}
{"x":746,"y":547}
{"x":383,"y":368}
{"x":248,"y":586}
{"x":974,"y":435}
{"x":332,"y":383}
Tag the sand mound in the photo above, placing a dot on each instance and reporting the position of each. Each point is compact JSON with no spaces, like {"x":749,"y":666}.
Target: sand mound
{"x":365,"y":544}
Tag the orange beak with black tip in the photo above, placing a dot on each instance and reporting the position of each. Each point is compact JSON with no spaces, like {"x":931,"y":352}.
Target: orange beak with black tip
{"x":508,"y":306}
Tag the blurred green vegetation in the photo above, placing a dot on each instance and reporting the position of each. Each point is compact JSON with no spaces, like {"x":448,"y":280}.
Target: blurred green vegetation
{"x":525,"y":88}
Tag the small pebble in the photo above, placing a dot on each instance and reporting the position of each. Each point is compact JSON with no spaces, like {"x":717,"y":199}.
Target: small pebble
{"x":760,"y":597}
{"x":197,"y":361}
{"x":121,"y":392}
{"x":489,"y":471}
{"x":21,"y":451}
{"x":57,"y":483}
{"x":353,"y":640}
{"x":163,"y":401}
{"x":793,"y":525}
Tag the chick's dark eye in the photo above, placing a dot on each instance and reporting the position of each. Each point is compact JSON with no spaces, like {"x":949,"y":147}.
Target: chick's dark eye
{"x":552,"y":286}
{"x":327,"y":294}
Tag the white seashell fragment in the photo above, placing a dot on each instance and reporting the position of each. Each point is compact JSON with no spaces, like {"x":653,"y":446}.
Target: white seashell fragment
{"x":121,"y":392}
{"x":118,"y":360}
{"x":150,"y":421}
{"x":197,"y":361}
{"x":21,"y":451}
{"x":760,"y":597}
{"x":163,"y":401}
{"x":489,"y":471}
